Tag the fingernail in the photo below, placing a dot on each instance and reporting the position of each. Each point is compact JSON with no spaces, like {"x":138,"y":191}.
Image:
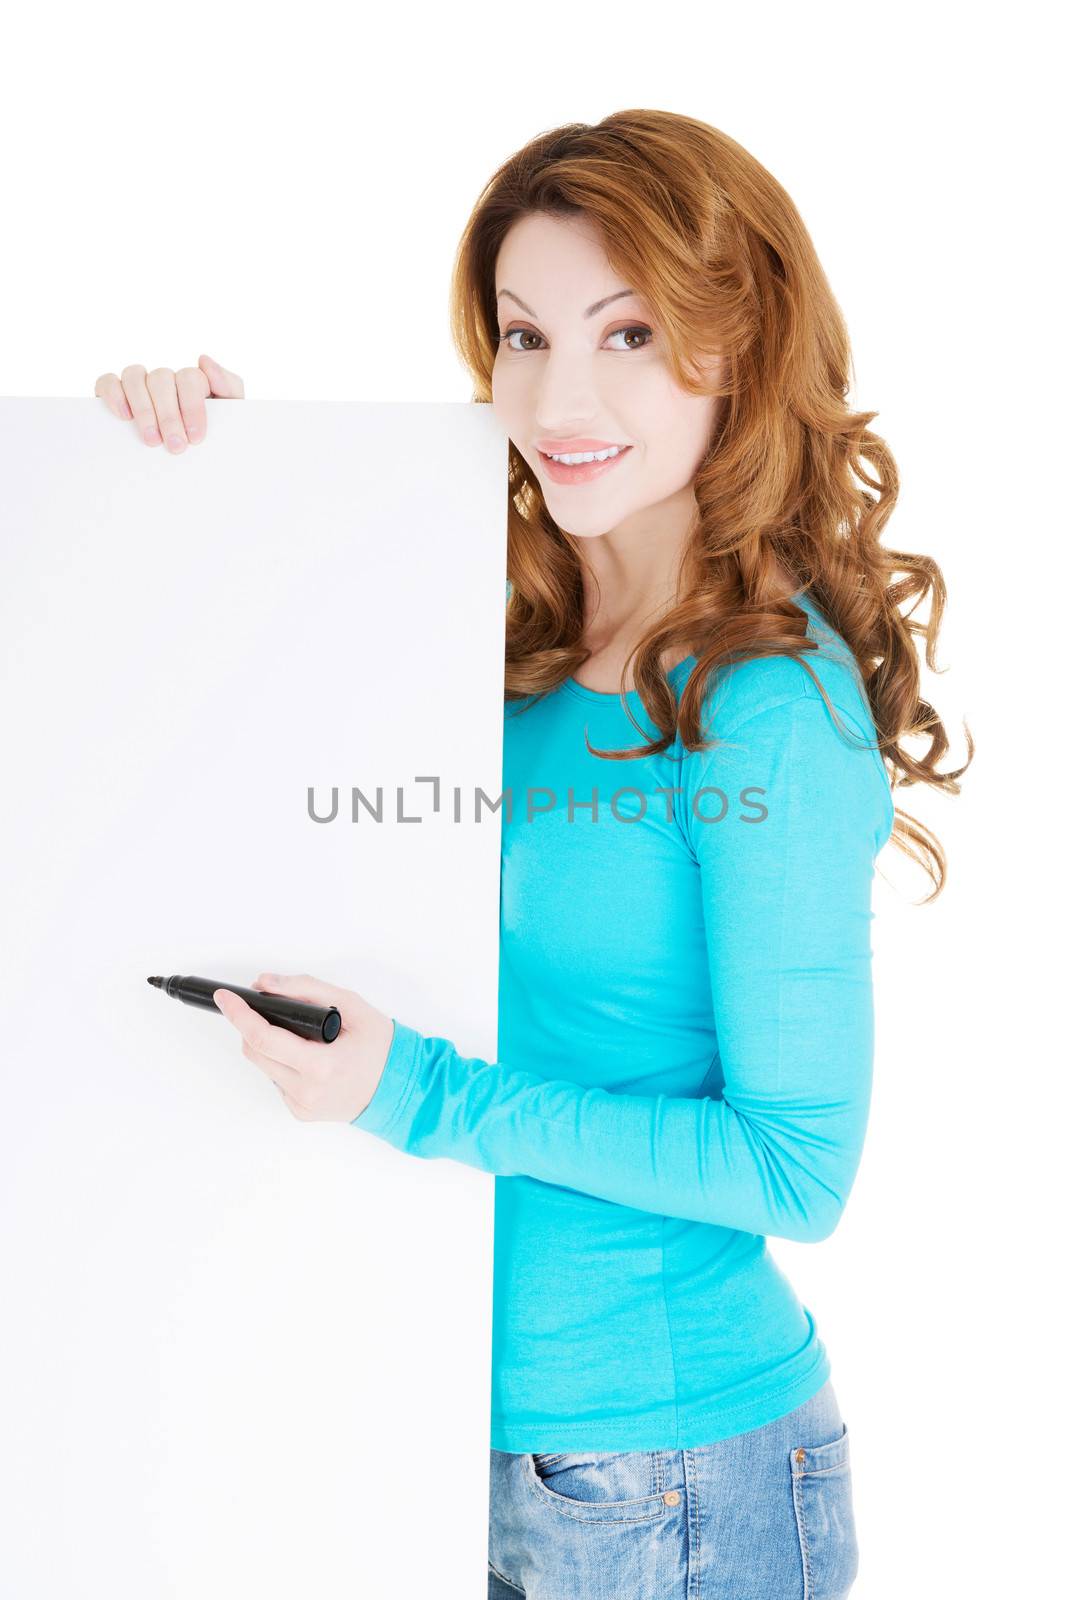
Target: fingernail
{"x":194,"y":435}
{"x":175,"y":443}
{"x":152,"y":436}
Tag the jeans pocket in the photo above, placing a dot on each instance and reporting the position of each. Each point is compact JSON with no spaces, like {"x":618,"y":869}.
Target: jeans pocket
{"x":823,"y":1509}
{"x":623,"y":1486}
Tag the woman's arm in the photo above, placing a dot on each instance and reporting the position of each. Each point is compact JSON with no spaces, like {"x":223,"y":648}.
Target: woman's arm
{"x":787,"y":921}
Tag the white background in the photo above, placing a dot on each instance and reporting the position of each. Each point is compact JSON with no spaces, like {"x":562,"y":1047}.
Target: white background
{"x":285,"y":190}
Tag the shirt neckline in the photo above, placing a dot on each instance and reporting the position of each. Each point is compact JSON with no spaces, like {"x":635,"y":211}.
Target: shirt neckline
{"x":604,"y":696}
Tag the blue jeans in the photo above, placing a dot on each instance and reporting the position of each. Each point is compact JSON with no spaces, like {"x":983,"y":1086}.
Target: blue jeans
{"x":765,"y":1515}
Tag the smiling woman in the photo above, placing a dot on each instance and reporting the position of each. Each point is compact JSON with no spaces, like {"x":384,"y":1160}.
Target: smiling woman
{"x":583,"y":375}
{"x":685,"y":1049}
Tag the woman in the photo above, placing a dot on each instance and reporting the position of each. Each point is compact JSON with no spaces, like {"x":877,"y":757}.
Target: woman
{"x":686,"y":1020}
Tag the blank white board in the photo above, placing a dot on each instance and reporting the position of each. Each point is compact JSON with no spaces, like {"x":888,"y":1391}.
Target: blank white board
{"x":242,"y":1355}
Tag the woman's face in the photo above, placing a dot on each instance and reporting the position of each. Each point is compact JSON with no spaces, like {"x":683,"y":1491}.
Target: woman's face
{"x":566,"y":372}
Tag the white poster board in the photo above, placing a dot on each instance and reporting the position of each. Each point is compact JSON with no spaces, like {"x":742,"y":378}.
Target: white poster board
{"x":242,"y":1355}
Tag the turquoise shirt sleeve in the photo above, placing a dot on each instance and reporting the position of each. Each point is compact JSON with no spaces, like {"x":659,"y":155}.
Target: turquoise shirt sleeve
{"x":787,"y":921}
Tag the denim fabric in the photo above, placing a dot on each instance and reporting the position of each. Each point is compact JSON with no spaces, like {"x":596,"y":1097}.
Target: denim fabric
{"x":764,"y":1515}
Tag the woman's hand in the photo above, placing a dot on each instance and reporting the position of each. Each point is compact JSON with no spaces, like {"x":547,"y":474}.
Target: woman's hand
{"x":168,"y":405}
{"x":319,"y":1082}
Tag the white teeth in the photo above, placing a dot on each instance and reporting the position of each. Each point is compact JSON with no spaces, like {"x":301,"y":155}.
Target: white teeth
{"x":589,"y":455}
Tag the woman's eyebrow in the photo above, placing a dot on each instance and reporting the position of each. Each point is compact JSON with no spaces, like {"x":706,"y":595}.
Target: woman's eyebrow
{"x":598,"y":305}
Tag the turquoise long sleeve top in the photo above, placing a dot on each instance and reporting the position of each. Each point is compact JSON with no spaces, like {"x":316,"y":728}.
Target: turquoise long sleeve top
{"x":685,"y":1053}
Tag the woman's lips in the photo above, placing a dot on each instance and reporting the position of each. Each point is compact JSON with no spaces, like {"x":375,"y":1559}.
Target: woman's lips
{"x":560,"y":473}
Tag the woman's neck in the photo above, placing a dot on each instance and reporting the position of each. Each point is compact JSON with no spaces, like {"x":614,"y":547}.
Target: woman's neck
{"x":623,"y":619}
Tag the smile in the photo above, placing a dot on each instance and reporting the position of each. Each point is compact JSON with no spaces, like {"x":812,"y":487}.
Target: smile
{"x":583,"y":471}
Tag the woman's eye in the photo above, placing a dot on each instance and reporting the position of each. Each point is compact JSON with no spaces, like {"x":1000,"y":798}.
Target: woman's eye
{"x":637,"y":328}
{"x":504,"y":338}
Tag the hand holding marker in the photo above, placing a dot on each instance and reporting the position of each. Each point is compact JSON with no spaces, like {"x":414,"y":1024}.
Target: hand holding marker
{"x":299,"y":1016}
{"x":286,"y":1022}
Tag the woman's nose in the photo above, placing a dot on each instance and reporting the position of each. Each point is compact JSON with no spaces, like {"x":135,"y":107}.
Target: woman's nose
{"x":565,"y":403}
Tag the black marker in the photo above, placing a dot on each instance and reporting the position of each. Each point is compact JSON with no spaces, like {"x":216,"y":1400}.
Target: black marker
{"x":299,"y":1016}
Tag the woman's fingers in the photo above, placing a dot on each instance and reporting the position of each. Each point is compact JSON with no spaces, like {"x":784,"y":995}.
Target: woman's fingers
{"x":192,"y":388}
{"x":109,"y":389}
{"x":161,"y":386}
{"x":166,"y":406}
{"x":134,"y":387}
{"x":284,"y":1055}
{"x":224,"y":385}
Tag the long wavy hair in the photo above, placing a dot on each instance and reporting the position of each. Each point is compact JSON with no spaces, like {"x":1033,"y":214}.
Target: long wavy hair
{"x":696,"y":225}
